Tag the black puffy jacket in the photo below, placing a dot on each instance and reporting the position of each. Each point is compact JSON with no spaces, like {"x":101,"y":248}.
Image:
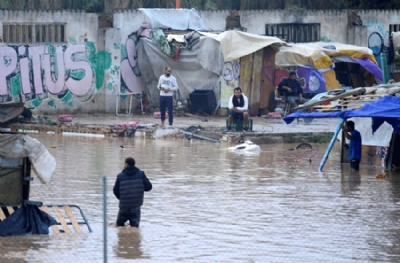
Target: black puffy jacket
{"x":130,"y":186}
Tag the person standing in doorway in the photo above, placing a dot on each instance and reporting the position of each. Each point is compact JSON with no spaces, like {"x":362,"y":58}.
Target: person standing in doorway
{"x":167,"y":85}
{"x":355,"y":144}
{"x":129,"y":189}
{"x":291,"y":89}
{"x":238,"y":107}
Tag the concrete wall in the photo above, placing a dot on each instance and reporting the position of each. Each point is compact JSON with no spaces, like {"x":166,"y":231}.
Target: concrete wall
{"x":84,"y":73}
{"x":55,"y":77}
{"x":333,"y":23}
{"x":378,"y":22}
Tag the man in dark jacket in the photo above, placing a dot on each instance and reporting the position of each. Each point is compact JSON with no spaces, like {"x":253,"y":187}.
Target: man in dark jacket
{"x":291,"y":90}
{"x":129,"y":189}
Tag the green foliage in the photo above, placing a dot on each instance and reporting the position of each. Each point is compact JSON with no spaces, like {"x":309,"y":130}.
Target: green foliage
{"x":97,"y":6}
{"x":87,"y":5}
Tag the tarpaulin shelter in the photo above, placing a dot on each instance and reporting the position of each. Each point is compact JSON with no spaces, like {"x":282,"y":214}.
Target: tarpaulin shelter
{"x":18,"y":153}
{"x":19,"y":215}
{"x":383,"y":117}
{"x":199,"y":63}
{"x":317,"y":64}
{"x":385,"y":109}
{"x":249,"y":64}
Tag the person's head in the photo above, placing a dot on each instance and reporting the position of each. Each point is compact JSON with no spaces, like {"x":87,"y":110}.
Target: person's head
{"x":292,"y":75}
{"x":237,"y":91}
{"x":129,"y":162}
{"x":168,"y":71}
{"x":350,"y":126}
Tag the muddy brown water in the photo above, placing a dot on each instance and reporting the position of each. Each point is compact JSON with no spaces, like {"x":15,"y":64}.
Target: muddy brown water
{"x":212,"y":205}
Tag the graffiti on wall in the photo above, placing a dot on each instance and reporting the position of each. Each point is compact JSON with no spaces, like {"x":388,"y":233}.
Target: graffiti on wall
{"x":131,"y":77}
{"x":48,"y":73}
{"x":229,"y":80}
{"x":378,"y":38}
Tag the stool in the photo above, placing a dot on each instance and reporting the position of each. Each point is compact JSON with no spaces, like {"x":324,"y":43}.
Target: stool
{"x":137,"y":95}
{"x":237,"y":125}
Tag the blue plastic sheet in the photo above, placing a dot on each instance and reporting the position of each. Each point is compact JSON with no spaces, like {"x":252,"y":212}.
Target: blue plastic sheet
{"x":385,"y":109}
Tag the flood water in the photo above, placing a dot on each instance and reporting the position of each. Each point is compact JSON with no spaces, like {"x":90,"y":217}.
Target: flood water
{"x":212,"y":205}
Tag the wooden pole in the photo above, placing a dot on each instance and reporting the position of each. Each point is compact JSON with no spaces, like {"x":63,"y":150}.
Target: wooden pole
{"x":178,"y":4}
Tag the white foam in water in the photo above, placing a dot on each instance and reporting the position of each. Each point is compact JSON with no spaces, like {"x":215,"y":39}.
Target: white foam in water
{"x":50,"y":132}
{"x":164,"y":132}
{"x":28,"y":131}
{"x":83,"y":134}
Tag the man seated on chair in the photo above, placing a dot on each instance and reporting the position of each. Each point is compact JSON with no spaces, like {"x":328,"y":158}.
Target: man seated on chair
{"x":238,"y":106}
{"x":291,"y":89}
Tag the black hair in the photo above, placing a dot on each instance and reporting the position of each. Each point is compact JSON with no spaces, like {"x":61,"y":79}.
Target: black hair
{"x":350,"y":124}
{"x":130,"y":161}
{"x":292,"y":73}
{"x":167,"y":67}
{"x":237,"y":88}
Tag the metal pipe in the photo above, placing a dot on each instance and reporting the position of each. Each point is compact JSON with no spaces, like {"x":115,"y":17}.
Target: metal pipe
{"x":199,"y":136}
{"x":105,"y":218}
{"x":323,"y":161}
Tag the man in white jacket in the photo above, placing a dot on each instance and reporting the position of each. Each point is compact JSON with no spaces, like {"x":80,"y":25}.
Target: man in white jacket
{"x":238,"y":106}
{"x":167,"y":85}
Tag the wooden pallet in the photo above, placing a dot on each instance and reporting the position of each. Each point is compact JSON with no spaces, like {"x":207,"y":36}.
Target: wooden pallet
{"x":349,"y":100}
{"x":69,"y":217}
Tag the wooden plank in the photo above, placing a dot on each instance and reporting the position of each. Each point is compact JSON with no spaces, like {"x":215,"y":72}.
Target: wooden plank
{"x":342,"y":95}
{"x":10,"y":210}
{"x":2,"y":215}
{"x":73,"y":219}
{"x":47,"y":211}
{"x":254,"y":99}
{"x":268,"y":77}
{"x":61,"y":220}
{"x":246,"y":69}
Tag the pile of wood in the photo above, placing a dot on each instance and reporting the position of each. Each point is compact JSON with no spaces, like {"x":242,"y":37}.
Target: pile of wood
{"x":340,"y":100}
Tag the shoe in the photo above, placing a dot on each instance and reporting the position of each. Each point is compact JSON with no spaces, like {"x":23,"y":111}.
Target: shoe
{"x":246,"y":129}
{"x":229,"y":128}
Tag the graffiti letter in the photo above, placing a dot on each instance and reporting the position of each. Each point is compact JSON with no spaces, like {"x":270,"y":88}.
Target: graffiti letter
{"x":8,"y":63}
{"x":82,"y":86}
{"x":24,"y":70}
{"x":59,"y":72}
{"x":35,"y":53}
{"x":129,"y":71}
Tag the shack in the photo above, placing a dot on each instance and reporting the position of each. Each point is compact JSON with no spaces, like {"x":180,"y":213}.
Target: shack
{"x":323,"y":66}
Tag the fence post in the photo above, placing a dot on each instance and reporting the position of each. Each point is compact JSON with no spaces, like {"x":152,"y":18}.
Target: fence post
{"x":105,"y":218}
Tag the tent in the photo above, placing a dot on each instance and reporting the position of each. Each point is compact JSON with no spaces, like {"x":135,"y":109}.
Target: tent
{"x":316,"y":60}
{"x":385,"y":109}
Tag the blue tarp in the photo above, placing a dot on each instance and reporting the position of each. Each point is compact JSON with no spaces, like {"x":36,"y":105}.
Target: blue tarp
{"x":383,"y":109}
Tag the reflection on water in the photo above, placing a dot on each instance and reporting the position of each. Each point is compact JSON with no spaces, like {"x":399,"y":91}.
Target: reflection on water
{"x":212,"y":205}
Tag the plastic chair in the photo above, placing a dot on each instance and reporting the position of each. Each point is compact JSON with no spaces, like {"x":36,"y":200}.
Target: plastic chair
{"x":137,"y":95}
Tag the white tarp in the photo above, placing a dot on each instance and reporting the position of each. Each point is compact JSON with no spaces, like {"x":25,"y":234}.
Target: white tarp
{"x":187,"y":70}
{"x":178,"y":19}
{"x":236,"y":44}
{"x":19,"y":145}
{"x":381,"y":137}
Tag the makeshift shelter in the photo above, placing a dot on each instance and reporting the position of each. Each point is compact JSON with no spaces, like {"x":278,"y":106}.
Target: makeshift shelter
{"x":252,"y":57}
{"x":325,"y":66}
{"x":19,"y":215}
{"x":382,"y":128}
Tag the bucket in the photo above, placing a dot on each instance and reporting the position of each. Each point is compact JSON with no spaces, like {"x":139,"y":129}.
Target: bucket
{"x":65,"y":118}
{"x":157,"y":115}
